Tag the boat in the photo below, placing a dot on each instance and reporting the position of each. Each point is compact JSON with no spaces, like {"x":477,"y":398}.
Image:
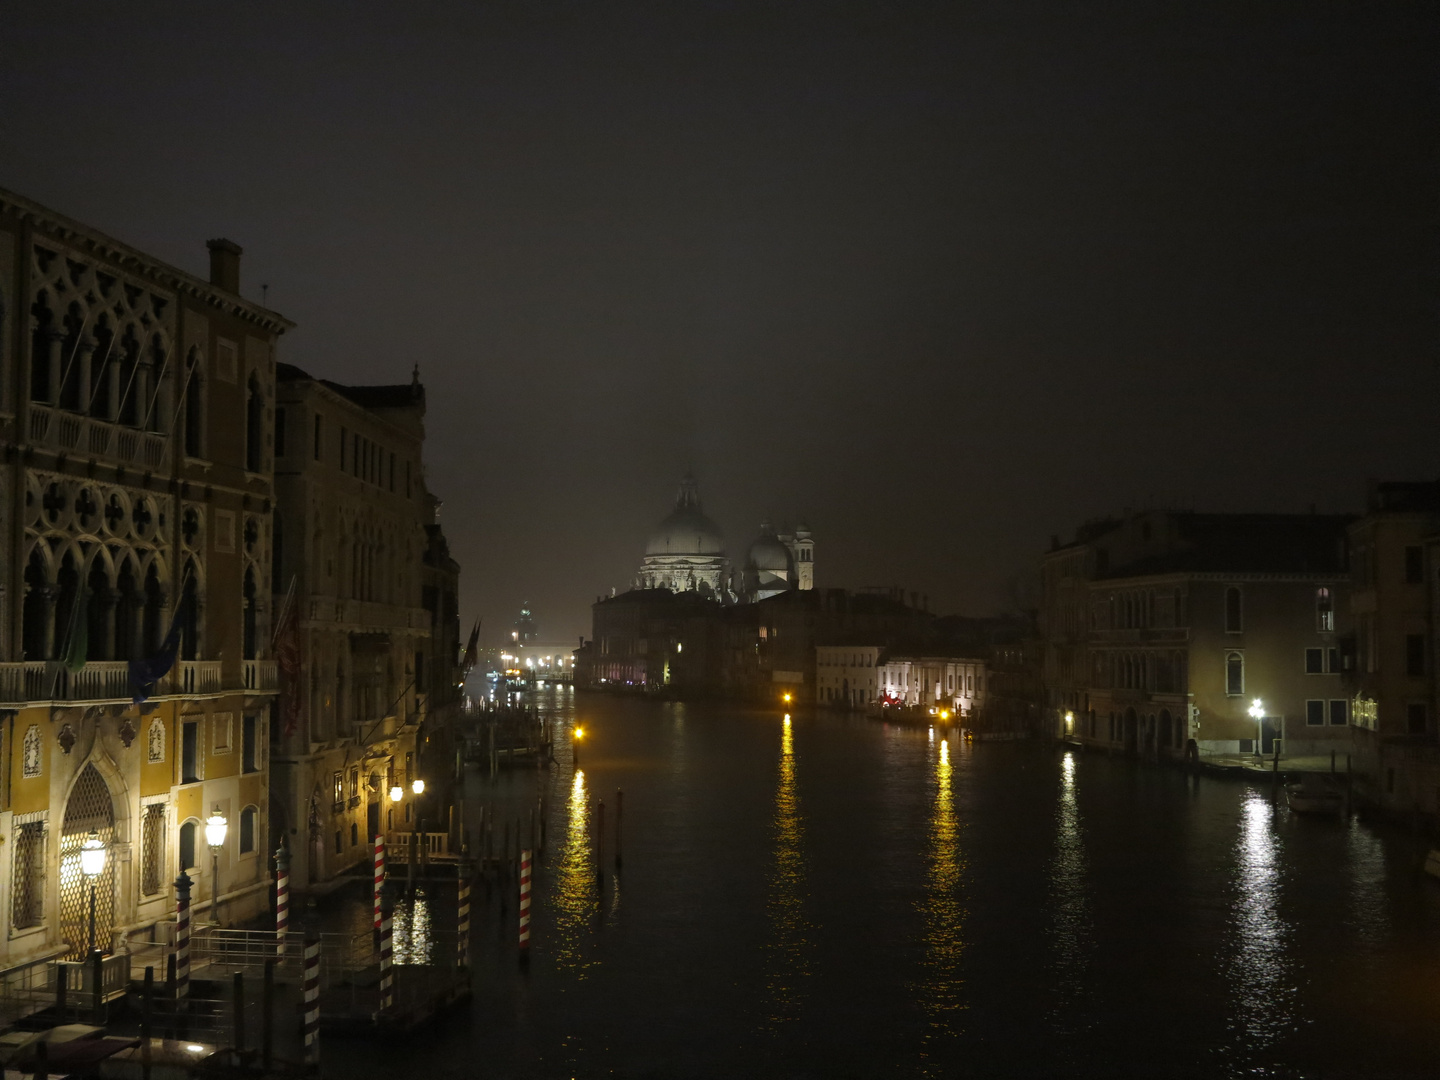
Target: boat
{"x":1432,"y":863}
{"x":1314,"y":798}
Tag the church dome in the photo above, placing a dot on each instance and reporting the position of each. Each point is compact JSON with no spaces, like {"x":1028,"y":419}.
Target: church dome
{"x":767,"y":553}
{"x":686,"y":531}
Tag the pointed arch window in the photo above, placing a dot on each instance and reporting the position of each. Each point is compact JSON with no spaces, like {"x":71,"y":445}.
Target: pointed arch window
{"x":254,"y":426}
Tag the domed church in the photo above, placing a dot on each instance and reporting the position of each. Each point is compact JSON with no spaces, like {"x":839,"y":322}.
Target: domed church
{"x":686,"y":553}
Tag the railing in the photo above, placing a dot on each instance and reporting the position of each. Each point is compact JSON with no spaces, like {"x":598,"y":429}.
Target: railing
{"x":63,"y":430}
{"x":433,"y":844}
{"x":99,"y":680}
{"x":197,"y":676}
{"x":261,"y":676}
{"x":80,"y":979}
{"x":230,"y":951}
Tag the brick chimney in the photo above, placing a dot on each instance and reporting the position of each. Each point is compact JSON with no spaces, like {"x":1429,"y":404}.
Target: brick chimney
{"x":225,"y":265}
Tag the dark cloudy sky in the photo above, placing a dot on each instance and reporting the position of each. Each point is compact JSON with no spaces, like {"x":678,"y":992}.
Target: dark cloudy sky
{"x":941,"y":280}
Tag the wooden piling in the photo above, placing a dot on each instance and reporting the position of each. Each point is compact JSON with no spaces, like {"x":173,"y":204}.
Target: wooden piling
{"x":282,"y":896}
{"x":62,"y":987}
{"x":600,"y":841}
{"x":267,"y":1016}
{"x":238,"y":1004}
{"x":147,"y":1012}
{"x":182,"y":941}
{"x":378,"y":876}
{"x":524,"y":906}
{"x":97,"y":988}
{"x":312,"y":992}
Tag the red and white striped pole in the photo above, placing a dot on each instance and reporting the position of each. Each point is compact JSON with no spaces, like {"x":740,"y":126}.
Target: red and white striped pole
{"x":379,"y":874}
{"x":387,"y":952}
{"x":182,"y":940}
{"x":525,"y":904}
{"x":282,"y":897}
{"x":462,"y":944}
{"x":312,"y":994}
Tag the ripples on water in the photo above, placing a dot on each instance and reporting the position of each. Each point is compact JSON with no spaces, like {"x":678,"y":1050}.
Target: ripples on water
{"x":941,"y":985}
{"x":576,"y":895}
{"x":1071,"y":928}
{"x":412,"y":941}
{"x":1260,"y":972}
{"x":788,"y":948}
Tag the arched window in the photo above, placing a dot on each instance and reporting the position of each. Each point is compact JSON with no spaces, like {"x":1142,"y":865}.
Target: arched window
{"x":249,"y":817}
{"x":251,"y":594}
{"x":187,"y":844}
{"x":1234,"y":612}
{"x":127,"y":604}
{"x":151,"y":628}
{"x":254,"y":426}
{"x":1324,"y":610}
{"x":35,"y":630}
{"x":40,"y":341}
{"x":1234,"y":674}
{"x":190,"y":618}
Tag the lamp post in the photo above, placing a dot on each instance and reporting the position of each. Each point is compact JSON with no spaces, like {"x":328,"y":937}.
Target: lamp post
{"x":1257,"y":710}
{"x":92,"y":865}
{"x":215,"y":828}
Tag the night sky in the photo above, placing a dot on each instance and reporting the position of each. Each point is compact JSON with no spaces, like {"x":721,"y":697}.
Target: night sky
{"x":941,"y":281}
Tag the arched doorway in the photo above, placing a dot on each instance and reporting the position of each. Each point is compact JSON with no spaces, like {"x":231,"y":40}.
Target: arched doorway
{"x":89,"y":809}
{"x":1132,"y":732}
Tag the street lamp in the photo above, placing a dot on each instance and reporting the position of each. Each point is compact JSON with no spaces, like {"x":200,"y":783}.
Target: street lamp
{"x":417,"y":786}
{"x":396,"y":793}
{"x":92,"y":865}
{"x":1257,"y":711}
{"x":215,"y":828}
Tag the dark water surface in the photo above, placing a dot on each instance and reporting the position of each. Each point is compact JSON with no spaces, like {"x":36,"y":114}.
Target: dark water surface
{"x":839,"y":898}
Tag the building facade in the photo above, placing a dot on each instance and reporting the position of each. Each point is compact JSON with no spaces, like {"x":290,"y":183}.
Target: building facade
{"x":1174,"y":633}
{"x":953,"y":684}
{"x":847,"y":676}
{"x":363,"y":564}
{"x":137,"y":404}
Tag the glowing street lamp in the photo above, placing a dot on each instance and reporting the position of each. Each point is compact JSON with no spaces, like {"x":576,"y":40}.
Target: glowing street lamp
{"x":215,"y":829}
{"x":92,"y":865}
{"x":417,"y":786}
{"x":785,"y":697}
{"x":396,"y":793}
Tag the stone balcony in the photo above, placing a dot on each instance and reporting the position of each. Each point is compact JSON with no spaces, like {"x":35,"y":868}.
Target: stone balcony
{"x":86,"y":436}
{"x":107,"y":682}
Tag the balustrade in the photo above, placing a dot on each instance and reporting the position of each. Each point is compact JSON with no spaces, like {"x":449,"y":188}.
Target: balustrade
{"x":68,"y":431}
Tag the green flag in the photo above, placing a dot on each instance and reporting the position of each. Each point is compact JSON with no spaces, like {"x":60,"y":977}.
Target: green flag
{"x":78,"y":637}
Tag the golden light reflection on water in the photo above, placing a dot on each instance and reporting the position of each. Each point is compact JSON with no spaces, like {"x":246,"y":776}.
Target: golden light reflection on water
{"x":412,"y":942}
{"x":1260,"y":973}
{"x":1071,"y":926}
{"x":941,"y":988}
{"x":576,"y":896}
{"x":787,"y":952}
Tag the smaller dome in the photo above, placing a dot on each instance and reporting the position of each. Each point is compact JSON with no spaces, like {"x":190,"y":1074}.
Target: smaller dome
{"x":768,"y":554}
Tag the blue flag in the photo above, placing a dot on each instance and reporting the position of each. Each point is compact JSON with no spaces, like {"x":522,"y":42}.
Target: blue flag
{"x":144,"y":674}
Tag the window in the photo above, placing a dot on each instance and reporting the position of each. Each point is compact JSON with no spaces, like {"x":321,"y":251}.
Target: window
{"x":248,"y":817}
{"x":1332,"y":661}
{"x":152,"y":849}
{"x":1416,"y":715}
{"x":317,"y":436}
{"x":249,"y":739}
{"x":354,"y":834}
{"x":223,"y":725}
{"x":279,"y":432}
{"x":1324,"y":611}
{"x":1339,"y":712}
{"x":1414,"y":654}
{"x":1314,"y":661}
{"x":354,"y":783}
{"x":189,"y":753}
{"x":187,"y":845}
{"x":1234,"y":612}
{"x":27,"y":907}
{"x":339,"y":799}
{"x":1314,"y":713}
{"x":409,"y":769}
{"x":1234,"y":674}
{"x":254,"y":426}
{"x":338,"y":846}
{"x":1414,"y":565}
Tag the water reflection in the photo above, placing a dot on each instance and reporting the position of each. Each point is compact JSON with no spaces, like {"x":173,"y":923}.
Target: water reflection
{"x":1260,"y":973}
{"x":941,"y":986}
{"x":576,"y":895}
{"x":787,"y":953}
{"x":1071,"y":928}
{"x":412,"y":941}
{"x":1369,"y":915}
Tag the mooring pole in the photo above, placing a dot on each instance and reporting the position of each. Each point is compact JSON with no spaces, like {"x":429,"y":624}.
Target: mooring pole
{"x":312,"y":988}
{"x":379,"y":875}
{"x":619,"y":813}
{"x":97,"y":987}
{"x":600,"y":841}
{"x":147,"y":1011}
{"x":282,"y":896}
{"x":267,"y":1017}
{"x":387,"y":950}
{"x":462,"y":943}
{"x":182,"y":942}
{"x":524,"y":907}
{"x":238,"y":1004}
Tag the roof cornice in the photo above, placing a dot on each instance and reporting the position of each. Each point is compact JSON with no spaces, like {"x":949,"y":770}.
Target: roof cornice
{"x":138,"y":263}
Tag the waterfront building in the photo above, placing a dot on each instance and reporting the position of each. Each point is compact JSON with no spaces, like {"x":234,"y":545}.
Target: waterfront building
{"x":955,"y":684}
{"x":847,"y":675}
{"x":1163,"y":630}
{"x":137,"y":402}
{"x":363,"y":567}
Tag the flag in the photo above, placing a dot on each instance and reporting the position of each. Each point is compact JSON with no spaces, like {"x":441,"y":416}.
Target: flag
{"x":288,"y":660}
{"x":467,"y":659}
{"x":144,"y":674}
{"x":77,"y":637}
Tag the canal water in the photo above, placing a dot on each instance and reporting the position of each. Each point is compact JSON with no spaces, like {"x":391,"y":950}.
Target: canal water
{"x":836,"y":897}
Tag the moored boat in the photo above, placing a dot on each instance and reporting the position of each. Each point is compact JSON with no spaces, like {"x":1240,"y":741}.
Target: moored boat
{"x":1312,"y":798}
